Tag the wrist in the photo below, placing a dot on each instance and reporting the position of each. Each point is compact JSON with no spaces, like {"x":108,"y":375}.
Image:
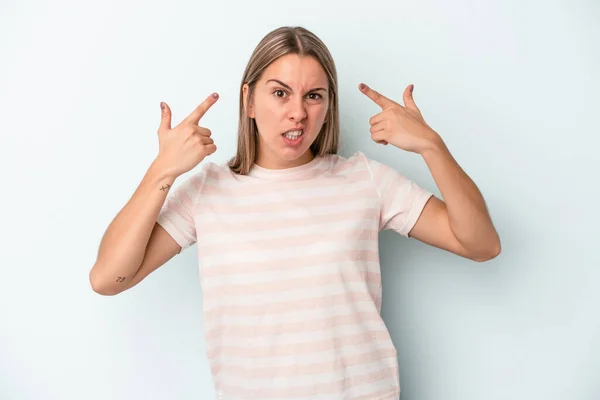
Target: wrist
{"x":435,"y":146}
{"x":159,"y":173}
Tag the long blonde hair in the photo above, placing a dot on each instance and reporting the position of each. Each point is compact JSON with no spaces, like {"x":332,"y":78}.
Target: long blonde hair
{"x":277,"y":43}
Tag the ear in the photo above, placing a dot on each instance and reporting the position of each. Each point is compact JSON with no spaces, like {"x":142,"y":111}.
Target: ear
{"x":248,"y":107}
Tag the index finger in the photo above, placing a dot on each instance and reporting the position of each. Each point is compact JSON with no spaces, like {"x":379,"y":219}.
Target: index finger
{"x":199,"y":112}
{"x":377,"y":97}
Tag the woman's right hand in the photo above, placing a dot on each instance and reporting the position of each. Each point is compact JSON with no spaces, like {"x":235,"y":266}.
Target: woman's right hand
{"x":182,"y":148}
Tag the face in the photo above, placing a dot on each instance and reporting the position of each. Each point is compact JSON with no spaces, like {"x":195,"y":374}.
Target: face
{"x":289,"y":106}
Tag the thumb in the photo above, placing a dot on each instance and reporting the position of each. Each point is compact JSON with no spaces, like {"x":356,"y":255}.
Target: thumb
{"x":165,"y":117}
{"x":409,"y":101}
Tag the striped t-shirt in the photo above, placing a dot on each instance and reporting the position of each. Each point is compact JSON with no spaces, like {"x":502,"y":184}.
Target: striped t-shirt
{"x":290,"y":275}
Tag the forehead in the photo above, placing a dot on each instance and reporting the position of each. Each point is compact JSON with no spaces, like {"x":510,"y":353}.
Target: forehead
{"x":297,"y":71}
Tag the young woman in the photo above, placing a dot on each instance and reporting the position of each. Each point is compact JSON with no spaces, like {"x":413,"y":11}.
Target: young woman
{"x":287,"y":230}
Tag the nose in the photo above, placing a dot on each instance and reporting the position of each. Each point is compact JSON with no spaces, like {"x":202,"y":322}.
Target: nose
{"x":297,"y":110}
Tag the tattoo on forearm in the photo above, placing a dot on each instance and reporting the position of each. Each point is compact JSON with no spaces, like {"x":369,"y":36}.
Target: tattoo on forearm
{"x":165,"y":187}
{"x":121,"y":279}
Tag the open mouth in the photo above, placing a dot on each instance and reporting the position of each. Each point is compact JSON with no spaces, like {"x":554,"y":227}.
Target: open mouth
{"x":293,"y":138}
{"x":293,"y":135}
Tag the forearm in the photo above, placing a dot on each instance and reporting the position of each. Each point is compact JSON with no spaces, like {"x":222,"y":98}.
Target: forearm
{"x":468,"y":215}
{"x":124,"y":243}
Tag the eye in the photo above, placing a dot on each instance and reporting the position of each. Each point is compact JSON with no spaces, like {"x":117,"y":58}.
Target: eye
{"x":279,"y":93}
{"x":315,"y":96}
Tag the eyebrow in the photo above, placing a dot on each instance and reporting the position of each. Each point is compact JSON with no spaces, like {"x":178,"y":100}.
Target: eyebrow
{"x":290,"y":89}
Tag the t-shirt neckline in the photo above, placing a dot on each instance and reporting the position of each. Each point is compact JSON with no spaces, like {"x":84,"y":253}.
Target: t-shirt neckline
{"x":285,"y":173}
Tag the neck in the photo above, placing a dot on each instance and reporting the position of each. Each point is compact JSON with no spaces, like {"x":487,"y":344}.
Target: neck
{"x":270,"y":161}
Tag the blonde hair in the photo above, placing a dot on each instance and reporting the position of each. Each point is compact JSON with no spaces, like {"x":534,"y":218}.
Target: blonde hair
{"x":277,"y":43}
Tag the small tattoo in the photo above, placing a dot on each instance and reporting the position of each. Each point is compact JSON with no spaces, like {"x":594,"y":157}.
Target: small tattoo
{"x":166,"y":187}
{"x":121,"y":279}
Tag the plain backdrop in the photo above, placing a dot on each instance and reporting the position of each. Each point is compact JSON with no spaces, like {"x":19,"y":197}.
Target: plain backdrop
{"x":512,"y":87}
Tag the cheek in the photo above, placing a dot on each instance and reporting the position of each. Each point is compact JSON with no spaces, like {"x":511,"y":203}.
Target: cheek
{"x":267,"y":117}
{"x":318,"y":114}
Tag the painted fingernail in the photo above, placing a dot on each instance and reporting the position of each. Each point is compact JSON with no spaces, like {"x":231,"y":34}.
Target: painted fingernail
{"x":362,"y":86}
{"x":412,"y":88}
{"x":215,"y":96}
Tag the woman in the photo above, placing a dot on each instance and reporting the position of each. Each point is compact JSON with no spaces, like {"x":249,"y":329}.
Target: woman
{"x":287,"y":230}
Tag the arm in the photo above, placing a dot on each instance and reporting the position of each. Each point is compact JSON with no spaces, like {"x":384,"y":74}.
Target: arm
{"x":123,"y":249}
{"x":141,"y":238}
{"x":461,"y":223}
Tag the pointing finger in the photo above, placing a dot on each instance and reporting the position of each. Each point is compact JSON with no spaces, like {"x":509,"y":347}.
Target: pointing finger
{"x":377,"y":97}
{"x":199,"y":112}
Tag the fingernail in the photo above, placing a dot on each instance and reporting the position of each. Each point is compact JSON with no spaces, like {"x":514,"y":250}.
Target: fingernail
{"x":162,"y":106}
{"x":412,"y":88}
{"x":215,"y":96}
{"x":362,"y":86}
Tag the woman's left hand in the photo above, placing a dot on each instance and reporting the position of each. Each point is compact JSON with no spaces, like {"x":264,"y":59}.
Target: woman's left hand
{"x":402,"y":126}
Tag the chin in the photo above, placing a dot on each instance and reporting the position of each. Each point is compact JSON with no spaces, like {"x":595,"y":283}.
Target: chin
{"x":293,"y":154}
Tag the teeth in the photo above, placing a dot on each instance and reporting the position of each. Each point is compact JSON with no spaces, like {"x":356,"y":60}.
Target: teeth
{"x":293,"y":134}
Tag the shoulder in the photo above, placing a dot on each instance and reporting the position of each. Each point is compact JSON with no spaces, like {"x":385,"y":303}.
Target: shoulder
{"x":204,"y":175}
{"x":358,"y":162}
{"x":212,"y":172}
{"x":353,"y":162}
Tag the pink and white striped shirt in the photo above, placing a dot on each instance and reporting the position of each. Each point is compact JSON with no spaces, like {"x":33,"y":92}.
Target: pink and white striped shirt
{"x":290,"y":275}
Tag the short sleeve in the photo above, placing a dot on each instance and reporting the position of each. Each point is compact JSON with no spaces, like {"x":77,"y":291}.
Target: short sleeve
{"x":177,"y":214}
{"x":402,"y":200}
